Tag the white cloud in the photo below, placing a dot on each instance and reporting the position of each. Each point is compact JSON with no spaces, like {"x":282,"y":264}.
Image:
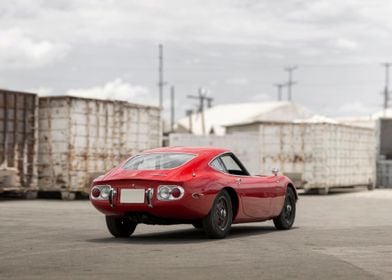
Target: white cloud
{"x":273,"y":55}
{"x":39,"y":32}
{"x":275,"y":24}
{"x":116,"y":90}
{"x":192,"y":61}
{"x":346,"y":44}
{"x":240,"y":81}
{"x":311,"y":52}
{"x":18,"y":50}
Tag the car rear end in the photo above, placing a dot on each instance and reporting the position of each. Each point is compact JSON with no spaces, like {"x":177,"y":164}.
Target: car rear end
{"x":147,"y":201}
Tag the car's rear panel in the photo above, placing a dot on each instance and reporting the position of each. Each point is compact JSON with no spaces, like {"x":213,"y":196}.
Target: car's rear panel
{"x":134,"y":197}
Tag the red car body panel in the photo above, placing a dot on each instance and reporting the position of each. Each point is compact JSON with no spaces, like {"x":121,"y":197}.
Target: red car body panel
{"x":258,"y":198}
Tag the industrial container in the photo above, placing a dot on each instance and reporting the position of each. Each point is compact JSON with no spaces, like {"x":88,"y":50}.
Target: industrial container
{"x":18,"y":173}
{"x":384,"y":173}
{"x":384,"y":153}
{"x":245,"y":146}
{"x":317,"y":156}
{"x":384,"y":132}
{"x":80,"y":139}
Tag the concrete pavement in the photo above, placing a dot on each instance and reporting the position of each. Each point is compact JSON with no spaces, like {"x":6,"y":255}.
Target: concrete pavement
{"x":339,"y":236}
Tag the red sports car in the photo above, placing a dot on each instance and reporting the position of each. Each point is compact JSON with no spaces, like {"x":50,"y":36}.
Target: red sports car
{"x":206,"y":187}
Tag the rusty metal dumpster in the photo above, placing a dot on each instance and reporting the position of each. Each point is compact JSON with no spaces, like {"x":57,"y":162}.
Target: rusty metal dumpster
{"x":18,"y":173}
{"x":81,"y":138}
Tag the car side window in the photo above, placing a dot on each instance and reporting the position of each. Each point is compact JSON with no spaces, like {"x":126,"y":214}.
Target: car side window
{"x":232,"y":166}
{"x":217,"y":164}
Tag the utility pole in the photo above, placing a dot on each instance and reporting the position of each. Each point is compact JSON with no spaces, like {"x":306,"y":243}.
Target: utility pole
{"x":290,"y":81}
{"x":202,"y":97}
{"x":386,"y":88}
{"x":172,"y":105}
{"x":209,"y":101}
{"x":203,"y":119}
{"x":189,"y":114}
{"x":279,"y":87}
{"x":161,"y":82}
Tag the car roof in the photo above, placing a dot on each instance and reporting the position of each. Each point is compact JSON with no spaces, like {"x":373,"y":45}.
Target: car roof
{"x":212,"y":151}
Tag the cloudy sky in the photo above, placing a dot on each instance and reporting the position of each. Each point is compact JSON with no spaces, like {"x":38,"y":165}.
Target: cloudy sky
{"x":236,"y":49}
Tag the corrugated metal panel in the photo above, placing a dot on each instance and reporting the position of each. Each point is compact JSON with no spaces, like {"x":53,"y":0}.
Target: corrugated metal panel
{"x":326,"y":155}
{"x":384,"y":173}
{"x":81,"y":138}
{"x":323,"y":155}
{"x":18,"y":141}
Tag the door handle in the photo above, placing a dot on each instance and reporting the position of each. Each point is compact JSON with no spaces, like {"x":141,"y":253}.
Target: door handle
{"x":238,"y":180}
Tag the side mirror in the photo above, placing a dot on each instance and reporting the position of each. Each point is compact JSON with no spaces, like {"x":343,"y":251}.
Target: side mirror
{"x":275,"y":171}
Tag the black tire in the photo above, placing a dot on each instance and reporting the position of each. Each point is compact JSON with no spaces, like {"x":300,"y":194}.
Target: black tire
{"x":197,"y":224}
{"x":217,"y":223}
{"x":120,"y":226}
{"x":286,"y":218}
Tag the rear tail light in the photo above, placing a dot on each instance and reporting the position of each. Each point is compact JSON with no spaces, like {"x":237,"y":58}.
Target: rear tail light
{"x":95,"y":192}
{"x":176,"y":192}
{"x":170,"y":192}
{"x":100,"y":192}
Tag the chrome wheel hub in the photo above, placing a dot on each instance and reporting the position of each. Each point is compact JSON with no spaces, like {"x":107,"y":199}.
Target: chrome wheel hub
{"x":223,"y":213}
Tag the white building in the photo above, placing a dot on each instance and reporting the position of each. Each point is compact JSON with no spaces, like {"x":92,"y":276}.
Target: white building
{"x":216,"y":118}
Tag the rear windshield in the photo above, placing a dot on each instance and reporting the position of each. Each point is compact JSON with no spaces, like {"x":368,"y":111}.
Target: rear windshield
{"x":157,"y":161}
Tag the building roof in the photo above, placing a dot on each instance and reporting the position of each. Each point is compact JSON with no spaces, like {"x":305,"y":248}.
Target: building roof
{"x":102,"y":100}
{"x":216,"y":118}
{"x":386,"y":113}
{"x":362,"y":121}
{"x":316,"y":119}
{"x":366,"y":121}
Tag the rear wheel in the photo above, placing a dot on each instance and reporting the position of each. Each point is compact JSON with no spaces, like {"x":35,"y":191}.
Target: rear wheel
{"x":286,"y":218}
{"x":217,"y":223}
{"x":120,"y":226}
